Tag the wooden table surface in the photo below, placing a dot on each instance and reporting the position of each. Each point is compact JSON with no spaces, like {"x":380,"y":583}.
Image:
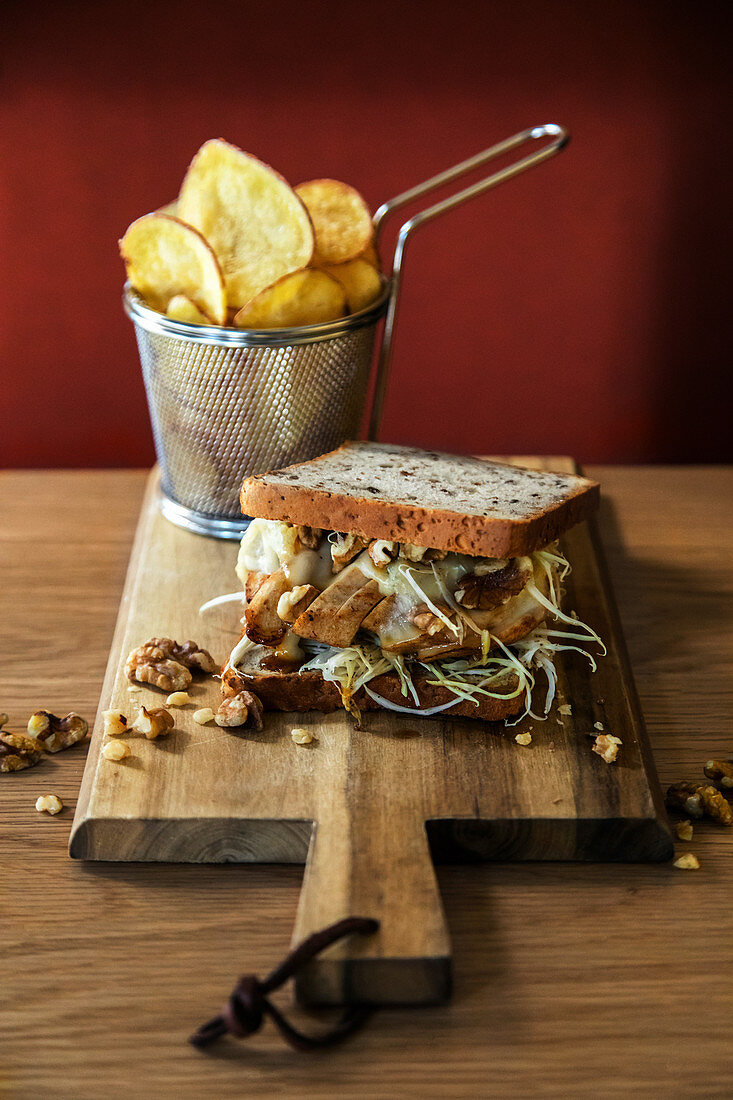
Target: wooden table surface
{"x":570,"y":979}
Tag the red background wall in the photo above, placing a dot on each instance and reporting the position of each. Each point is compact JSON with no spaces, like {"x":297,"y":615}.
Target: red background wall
{"x":579,"y":309}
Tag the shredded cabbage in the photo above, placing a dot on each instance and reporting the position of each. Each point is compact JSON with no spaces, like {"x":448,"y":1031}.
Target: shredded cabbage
{"x":228,"y":597}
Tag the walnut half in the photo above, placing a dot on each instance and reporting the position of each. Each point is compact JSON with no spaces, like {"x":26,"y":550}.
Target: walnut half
{"x":167,"y":664}
{"x":53,"y":733}
{"x":18,"y":751}
{"x":698,"y":800}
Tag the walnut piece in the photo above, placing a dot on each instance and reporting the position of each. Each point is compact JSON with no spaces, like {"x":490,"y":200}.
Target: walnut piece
{"x":698,"y":800}
{"x":484,"y":590}
{"x":115,"y":723}
{"x":420,"y":553}
{"x":242,"y":709}
{"x":382,"y":551}
{"x":166,"y":664}
{"x":688,"y":862}
{"x":53,"y":733}
{"x":607,"y":746}
{"x":344,"y":548}
{"x":18,"y":751}
{"x":310,"y":537}
{"x":721,"y":771}
{"x":425,"y":620}
{"x":115,"y":750}
{"x":523,"y":738}
{"x":301,"y":736}
{"x":154,"y":723}
{"x":49,"y":804}
{"x":684,"y":830}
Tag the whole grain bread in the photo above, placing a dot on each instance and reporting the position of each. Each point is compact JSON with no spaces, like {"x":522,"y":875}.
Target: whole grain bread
{"x":302,"y":691}
{"x":448,"y":502}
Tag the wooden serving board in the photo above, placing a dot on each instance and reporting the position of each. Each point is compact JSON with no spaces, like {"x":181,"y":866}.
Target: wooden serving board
{"x":365,"y":810}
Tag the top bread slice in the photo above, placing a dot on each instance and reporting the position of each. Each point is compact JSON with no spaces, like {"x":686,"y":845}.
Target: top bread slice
{"x":448,"y":502}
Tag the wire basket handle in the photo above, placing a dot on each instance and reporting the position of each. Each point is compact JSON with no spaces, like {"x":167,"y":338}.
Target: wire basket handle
{"x":560,"y":138}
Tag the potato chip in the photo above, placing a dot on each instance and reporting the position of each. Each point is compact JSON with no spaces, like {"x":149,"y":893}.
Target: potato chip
{"x":360,"y":280}
{"x":302,"y":298}
{"x":165,"y":257}
{"x":181,"y":308}
{"x":341,"y":220}
{"x":254,"y":221}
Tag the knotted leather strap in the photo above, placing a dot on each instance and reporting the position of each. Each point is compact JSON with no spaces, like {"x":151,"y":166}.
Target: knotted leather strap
{"x":248,"y":1005}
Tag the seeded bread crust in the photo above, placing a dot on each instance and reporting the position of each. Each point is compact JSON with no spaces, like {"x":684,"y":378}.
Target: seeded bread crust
{"x":299,"y":692}
{"x":403,"y":494}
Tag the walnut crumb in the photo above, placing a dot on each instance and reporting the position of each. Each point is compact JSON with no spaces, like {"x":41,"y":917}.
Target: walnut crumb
{"x":687,"y":862}
{"x":204,"y":715}
{"x":115,"y":750}
{"x":607,"y":746}
{"x":523,"y":738}
{"x":684,"y":830}
{"x":598,"y":726}
{"x":178,"y":699}
{"x":115,"y":723}
{"x":49,"y":804}
{"x":301,"y":736}
{"x":565,"y":709}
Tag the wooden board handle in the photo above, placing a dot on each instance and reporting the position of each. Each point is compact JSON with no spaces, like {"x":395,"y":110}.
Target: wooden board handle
{"x":378,"y":868}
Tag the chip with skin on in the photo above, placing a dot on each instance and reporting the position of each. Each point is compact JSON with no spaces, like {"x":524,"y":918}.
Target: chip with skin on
{"x":359,"y":279}
{"x":181,"y":308}
{"x":257,"y":226}
{"x":165,"y":257}
{"x":304,"y":298}
{"x":341,"y":220}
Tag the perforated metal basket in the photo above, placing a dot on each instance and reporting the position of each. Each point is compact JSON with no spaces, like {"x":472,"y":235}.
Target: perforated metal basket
{"x":226,"y":403}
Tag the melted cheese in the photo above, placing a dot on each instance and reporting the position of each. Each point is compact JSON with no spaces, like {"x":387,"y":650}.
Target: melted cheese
{"x":268,"y":545}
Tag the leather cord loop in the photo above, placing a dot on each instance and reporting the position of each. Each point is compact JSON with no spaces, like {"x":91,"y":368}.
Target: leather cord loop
{"x":248,"y":1004}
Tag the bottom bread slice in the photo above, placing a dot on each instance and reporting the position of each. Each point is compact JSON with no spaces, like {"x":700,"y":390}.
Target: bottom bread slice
{"x":301,"y":691}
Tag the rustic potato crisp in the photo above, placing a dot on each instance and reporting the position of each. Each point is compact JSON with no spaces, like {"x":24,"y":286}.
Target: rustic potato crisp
{"x":181,"y":308}
{"x":341,"y":220}
{"x":164,"y":258}
{"x":257,"y":226}
{"x":360,"y":280}
{"x":303,"y":298}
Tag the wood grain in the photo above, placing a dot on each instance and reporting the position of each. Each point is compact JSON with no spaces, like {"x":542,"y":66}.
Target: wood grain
{"x":571,"y":980}
{"x":359,"y":800}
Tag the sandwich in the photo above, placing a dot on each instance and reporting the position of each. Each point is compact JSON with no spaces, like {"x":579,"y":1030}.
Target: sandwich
{"x":387,"y":577}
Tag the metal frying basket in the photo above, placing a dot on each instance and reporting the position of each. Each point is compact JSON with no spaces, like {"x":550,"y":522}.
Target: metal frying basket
{"x":225,"y":403}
